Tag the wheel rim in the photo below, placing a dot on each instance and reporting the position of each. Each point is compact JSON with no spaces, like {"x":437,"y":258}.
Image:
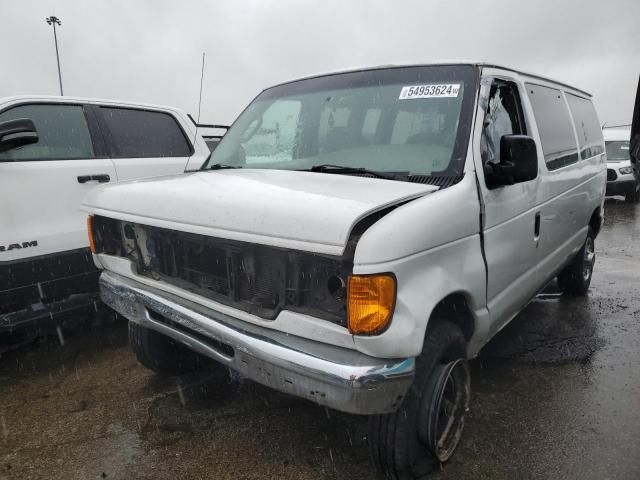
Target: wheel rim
{"x":589,"y":259}
{"x":450,"y":405}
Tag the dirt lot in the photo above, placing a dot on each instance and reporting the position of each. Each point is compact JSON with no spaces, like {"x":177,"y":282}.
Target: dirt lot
{"x":556,"y":395}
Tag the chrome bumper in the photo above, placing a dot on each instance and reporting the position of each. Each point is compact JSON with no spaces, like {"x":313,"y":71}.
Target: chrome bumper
{"x":335,"y":377}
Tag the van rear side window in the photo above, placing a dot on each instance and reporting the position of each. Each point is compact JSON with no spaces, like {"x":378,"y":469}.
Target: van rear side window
{"x":554,"y":125}
{"x":587,"y":126}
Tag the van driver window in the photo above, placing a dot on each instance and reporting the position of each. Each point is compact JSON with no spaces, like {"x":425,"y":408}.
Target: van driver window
{"x":503,"y":117}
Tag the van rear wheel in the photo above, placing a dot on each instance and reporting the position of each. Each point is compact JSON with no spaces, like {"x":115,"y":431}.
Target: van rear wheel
{"x":162,"y":354}
{"x":576,"y":277}
{"x":427,"y":427}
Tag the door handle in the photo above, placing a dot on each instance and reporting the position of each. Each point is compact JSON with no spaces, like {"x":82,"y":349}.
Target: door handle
{"x":100,"y":178}
{"x":536,"y":227}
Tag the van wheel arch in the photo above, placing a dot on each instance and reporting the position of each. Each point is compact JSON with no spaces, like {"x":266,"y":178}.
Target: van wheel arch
{"x":454,"y":308}
{"x":595,"y":222}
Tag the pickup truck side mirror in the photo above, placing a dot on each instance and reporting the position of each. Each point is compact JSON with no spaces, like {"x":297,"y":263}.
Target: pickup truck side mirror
{"x":17,"y":133}
{"x":518,"y":162}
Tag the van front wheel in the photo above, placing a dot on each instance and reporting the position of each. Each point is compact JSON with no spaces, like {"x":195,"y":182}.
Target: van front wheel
{"x":576,"y":277}
{"x":427,"y":427}
{"x":160,"y":353}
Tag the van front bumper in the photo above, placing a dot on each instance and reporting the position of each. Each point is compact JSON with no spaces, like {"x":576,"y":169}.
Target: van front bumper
{"x":335,"y":377}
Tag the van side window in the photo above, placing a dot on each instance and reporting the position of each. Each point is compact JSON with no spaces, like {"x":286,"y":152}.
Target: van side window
{"x":503,"y":117}
{"x":143,"y":133}
{"x":63,"y":133}
{"x":587,"y":126}
{"x":554,"y":126}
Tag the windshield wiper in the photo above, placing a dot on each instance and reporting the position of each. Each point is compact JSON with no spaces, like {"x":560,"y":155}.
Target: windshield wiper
{"x":221,"y":166}
{"x":340,"y":169}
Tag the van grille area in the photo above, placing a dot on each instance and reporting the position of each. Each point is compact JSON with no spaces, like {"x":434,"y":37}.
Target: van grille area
{"x":254,"y":278}
{"x":611,"y":175}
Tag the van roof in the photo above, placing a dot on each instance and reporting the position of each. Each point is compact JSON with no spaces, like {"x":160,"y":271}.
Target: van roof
{"x":438,"y":63}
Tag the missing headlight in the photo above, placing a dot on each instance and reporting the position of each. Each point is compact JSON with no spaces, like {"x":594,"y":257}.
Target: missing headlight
{"x":337,"y":287}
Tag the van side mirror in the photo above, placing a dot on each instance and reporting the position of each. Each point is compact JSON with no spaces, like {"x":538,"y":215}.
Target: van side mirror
{"x":17,"y":133}
{"x":518,"y":162}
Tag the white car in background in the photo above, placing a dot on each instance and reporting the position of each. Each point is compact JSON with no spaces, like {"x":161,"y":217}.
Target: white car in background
{"x":620,"y":176}
{"x":53,"y":151}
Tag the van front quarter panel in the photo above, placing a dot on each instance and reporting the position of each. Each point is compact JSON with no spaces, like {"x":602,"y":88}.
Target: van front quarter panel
{"x":433,"y":247}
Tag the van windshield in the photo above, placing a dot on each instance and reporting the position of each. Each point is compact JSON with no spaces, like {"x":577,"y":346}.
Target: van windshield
{"x":618,"y":150}
{"x":414,"y":120}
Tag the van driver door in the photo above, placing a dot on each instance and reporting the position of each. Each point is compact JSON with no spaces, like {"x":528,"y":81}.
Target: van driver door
{"x":509,"y":218}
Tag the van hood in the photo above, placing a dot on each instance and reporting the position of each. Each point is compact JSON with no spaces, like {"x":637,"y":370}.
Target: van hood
{"x":290,"y":209}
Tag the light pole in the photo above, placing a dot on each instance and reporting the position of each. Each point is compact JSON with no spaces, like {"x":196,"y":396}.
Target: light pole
{"x":53,"y":21}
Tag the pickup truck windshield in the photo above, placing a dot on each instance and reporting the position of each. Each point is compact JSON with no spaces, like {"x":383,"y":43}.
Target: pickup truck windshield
{"x":414,"y":120}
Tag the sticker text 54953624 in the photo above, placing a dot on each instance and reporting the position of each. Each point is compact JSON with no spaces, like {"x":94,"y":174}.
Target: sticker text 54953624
{"x":430,"y":91}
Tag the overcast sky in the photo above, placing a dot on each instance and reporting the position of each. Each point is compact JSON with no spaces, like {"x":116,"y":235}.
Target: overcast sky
{"x":150,"y":51}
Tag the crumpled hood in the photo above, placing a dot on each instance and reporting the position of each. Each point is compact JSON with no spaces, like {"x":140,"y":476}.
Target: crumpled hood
{"x":299,"y":210}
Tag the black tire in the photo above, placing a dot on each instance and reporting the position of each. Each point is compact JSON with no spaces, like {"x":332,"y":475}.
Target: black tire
{"x":576,"y":277}
{"x":633,"y":195}
{"x":401,"y":444}
{"x":162,"y":354}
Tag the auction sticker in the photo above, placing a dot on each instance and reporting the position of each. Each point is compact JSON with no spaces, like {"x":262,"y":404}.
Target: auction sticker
{"x":430,"y":91}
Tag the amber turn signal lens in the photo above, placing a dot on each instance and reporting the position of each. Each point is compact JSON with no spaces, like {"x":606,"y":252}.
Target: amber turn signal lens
{"x":371,"y":299}
{"x":92,"y":242}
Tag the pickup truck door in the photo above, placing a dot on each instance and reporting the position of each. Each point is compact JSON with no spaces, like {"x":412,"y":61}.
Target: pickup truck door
{"x":42,"y":185}
{"x":145,"y":143}
{"x":509,"y":218}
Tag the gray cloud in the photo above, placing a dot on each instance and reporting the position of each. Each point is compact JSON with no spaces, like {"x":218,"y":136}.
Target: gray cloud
{"x":150,"y":51}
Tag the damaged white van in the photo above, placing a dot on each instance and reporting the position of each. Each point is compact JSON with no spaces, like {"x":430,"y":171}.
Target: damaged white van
{"x":356,"y":237}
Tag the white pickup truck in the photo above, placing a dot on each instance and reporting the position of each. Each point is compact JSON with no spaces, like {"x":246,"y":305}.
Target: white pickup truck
{"x":357,"y":236}
{"x":53,"y":151}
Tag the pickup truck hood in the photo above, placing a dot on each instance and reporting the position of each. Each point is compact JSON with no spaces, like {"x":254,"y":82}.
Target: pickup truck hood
{"x":299,"y":210}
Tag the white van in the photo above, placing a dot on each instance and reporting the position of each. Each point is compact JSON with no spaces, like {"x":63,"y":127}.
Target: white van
{"x":621,"y":179}
{"x":356,"y":237}
{"x":45,"y":264}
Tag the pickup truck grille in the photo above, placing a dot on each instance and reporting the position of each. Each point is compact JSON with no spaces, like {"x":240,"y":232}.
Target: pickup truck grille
{"x":611,"y":175}
{"x":254,"y":278}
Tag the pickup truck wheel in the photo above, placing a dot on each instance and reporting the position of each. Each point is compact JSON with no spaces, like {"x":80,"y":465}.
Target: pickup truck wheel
{"x":427,"y":427}
{"x":576,"y":277}
{"x":160,"y":353}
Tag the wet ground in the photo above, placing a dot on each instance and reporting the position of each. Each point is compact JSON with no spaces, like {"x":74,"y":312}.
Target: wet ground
{"x":555,"y":395}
